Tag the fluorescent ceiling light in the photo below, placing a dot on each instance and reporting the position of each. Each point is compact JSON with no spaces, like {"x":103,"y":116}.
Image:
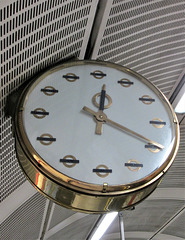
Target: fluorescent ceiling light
{"x":180,"y":108}
{"x":177,"y":97}
{"x":103,"y":226}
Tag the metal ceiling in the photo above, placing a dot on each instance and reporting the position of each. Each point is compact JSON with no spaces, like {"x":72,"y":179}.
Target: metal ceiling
{"x":146,"y":36}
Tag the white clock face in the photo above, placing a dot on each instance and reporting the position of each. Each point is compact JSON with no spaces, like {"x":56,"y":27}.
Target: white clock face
{"x":60,"y":122}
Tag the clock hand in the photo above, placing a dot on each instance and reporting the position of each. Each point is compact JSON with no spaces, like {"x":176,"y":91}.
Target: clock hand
{"x":102,"y":98}
{"x":134,"y":133}
{"x":99,"y":116}
{"x":99,"y":124}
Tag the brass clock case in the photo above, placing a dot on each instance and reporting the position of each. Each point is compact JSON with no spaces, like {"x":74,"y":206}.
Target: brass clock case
{"x":70,"y":192}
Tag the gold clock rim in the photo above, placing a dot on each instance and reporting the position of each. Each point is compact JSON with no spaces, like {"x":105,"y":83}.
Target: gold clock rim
{"x":74,"y":184}
{"x":77,"y":201}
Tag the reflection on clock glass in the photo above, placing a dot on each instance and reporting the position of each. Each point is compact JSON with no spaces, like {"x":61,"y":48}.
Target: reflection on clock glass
{"x":98,"y":124}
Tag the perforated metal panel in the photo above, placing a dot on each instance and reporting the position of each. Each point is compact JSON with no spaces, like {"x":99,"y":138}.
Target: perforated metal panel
{"x":25,"y":222}
{"x":146,"y":36}
{"x":59,"y":214}
{"x":33,"y":35}
{"x":75,"y":230}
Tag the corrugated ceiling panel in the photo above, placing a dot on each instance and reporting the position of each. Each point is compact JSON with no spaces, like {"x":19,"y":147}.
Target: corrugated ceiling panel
{"x":175,"y":177}
{"x":146,"y":36}
{"x":33,"y":35}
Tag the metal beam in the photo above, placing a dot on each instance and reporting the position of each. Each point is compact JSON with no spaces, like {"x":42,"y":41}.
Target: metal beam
{"x":121,"y":226}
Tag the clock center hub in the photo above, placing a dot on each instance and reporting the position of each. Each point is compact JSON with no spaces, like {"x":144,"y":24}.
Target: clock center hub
{"x":100,"y":116}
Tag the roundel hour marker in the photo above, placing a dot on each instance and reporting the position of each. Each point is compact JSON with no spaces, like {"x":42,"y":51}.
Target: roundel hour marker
{"x":46,"y":139}
{"x":133,"y":165}
{"x":69,"y":161}
{"x":152,"y":148}
{"x":71,"y":77}
{"x":97,"y":95}
{"x":98,"y":74}
{"x":146,"y":99}
{"x":125,"y":82}
{"x":49,"y":90}
{"x":157,"y":123}
{"x":39,"y":113}
{"x":102,"y":170}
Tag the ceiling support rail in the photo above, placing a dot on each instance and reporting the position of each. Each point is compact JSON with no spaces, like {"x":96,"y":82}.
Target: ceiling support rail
{"x":166,"y":224}
{"x":47,"y":216}
{"x":121,"y":226}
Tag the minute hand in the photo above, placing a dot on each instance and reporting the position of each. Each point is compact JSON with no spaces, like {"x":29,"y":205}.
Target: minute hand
{"x":125,"y":129}
{"x":133,"y":133}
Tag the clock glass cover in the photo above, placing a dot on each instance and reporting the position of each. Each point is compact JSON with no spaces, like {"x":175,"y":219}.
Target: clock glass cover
{"x":90,"y":124}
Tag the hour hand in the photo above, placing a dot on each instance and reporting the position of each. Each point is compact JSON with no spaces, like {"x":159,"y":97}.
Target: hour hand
{"x":99,"y":128}
{"x":99,"y":118}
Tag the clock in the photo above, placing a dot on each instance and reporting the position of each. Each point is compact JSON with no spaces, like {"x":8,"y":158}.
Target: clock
{"x":94,"y":136}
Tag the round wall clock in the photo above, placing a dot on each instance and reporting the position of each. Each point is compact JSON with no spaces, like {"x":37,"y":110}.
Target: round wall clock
{"x":94,"y":136}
